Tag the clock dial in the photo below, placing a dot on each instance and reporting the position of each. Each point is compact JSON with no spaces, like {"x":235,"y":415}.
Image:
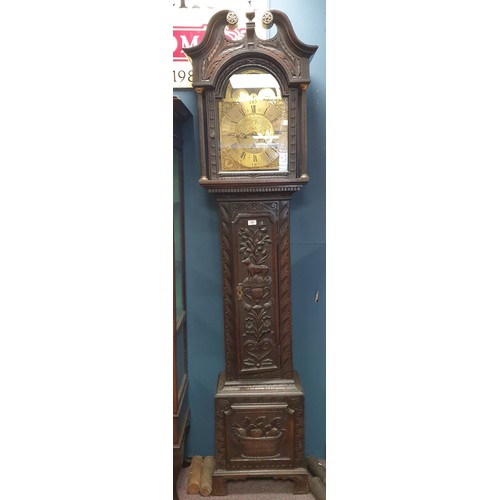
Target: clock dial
{"x":253,"y":124}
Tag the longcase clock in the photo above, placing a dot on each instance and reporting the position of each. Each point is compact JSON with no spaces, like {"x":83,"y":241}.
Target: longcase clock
{"x":252,"y":133}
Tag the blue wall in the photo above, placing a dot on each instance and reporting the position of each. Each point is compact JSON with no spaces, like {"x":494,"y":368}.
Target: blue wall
{"x":308,"y":252}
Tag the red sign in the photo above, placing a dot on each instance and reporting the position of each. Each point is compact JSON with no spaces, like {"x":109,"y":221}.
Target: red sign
{"x":189,"y":36}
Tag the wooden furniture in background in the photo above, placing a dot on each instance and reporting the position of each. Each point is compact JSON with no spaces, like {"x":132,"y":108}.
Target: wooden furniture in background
{"x":180,"y":380}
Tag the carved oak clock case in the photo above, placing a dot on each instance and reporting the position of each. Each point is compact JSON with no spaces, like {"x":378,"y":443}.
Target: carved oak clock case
{"x":252,"y":126}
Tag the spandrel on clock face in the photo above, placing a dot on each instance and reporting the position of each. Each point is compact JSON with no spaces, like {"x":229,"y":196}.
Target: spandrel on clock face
{"x":253,"y":124}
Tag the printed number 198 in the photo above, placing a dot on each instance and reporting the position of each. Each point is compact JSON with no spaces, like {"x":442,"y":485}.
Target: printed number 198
{"x":181,"y":75}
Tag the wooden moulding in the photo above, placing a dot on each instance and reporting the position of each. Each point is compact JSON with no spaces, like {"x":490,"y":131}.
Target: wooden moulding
{"x":317,"y":488}
{"x":194,"y":478}
{"x":316,"y":468}
{"x":206,"y":476}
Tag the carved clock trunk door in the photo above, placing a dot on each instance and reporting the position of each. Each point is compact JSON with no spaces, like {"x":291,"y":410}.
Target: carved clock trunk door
{"x":255,"y":250}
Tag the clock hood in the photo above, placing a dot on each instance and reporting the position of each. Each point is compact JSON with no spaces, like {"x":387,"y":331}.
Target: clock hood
{"x":215,"y":51}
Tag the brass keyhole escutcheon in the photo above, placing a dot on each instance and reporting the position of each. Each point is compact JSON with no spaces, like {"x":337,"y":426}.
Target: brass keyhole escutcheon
{"x":239,"y":292}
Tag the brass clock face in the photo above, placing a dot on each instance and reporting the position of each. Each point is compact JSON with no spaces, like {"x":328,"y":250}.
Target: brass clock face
{"x":253,"y":124}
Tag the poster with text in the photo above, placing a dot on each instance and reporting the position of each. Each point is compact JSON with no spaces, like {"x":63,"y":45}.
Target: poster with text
{"x":190,"y":19}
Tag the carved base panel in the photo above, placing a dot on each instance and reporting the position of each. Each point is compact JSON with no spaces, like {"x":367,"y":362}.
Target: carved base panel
{"x":259,"y":431}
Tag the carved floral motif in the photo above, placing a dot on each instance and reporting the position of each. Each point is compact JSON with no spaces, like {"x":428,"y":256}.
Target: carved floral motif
{"x":222,"y":409}
{"x":254,"y":245}
{"x":258,"y":336}
{"x":297,"y":407}
{"x":262,"y":340}
{"x":284,"y":54}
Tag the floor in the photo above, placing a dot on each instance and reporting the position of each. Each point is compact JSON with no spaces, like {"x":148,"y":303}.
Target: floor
{"x":251,"y":489}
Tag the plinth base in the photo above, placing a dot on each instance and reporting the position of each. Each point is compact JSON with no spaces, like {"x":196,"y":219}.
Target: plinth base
{"x":259,"y":432}
{"x":298,"y":476}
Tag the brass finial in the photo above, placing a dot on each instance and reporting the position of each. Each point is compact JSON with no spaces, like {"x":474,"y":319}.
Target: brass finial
{"x":232,"y":18}
{"x":267,"y":19}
